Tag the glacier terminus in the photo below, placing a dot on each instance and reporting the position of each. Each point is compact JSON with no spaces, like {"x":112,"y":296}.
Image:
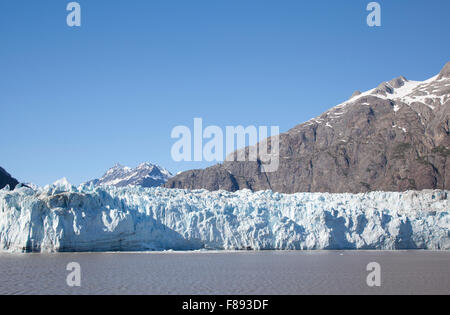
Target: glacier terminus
{"x":65,"y":218}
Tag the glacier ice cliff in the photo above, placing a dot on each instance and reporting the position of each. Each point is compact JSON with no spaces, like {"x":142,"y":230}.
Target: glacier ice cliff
{"x":87,"y":218}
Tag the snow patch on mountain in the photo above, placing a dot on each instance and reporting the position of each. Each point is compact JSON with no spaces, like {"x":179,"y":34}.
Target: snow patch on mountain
{"x":432,"y":93}
{"x":406,"y":91}
{"x":87,"y":218}
{"x":145,"y":175}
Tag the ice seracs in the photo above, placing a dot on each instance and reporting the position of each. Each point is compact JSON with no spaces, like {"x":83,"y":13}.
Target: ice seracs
{"x":63,"y":183}
{"x":108,"y":218}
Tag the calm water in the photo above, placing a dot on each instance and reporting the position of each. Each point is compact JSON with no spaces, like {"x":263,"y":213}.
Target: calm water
{"x":408,"y":272}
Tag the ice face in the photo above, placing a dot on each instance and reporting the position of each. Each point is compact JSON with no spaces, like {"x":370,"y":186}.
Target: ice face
{"x":87,"y":218}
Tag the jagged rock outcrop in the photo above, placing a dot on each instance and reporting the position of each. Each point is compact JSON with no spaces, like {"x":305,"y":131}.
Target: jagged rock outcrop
{"x":6,"y":179}
{"x":395,"y":137}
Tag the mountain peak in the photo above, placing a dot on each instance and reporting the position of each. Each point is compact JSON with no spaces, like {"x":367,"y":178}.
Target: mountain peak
{"x":398,"y":82}
{"x":386,"y":88}
{"x":390,"y":138}
{"x":117,"y":168}
{"x":144,"y":175}
{"x":146,"y":165}
{"x":7,"y":179}
{"x":356,"y":93}
{"x":445,"y":72}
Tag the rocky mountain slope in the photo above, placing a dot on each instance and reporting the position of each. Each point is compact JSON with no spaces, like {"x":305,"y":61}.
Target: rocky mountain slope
{"x":6,"y":179}
{"x":145,"y":175}
{"x":392,"y":138}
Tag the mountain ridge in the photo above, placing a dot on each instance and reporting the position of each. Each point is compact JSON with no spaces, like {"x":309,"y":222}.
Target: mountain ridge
{"x":144,"y":175}
{"x":7,"y":179}
{"x":394,"y":137}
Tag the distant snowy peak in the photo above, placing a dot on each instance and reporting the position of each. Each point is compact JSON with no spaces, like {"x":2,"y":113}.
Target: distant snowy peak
{"x":145,"y":175}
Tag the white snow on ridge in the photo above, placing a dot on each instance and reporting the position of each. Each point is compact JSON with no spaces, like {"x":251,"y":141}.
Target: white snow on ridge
{"x":139,"y":219}
{"x":408,"y":93}
{"x":145,"y":174}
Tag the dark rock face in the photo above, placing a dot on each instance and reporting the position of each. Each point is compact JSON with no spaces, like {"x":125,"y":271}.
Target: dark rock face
{"x":6,"y":179}
{"x":393,"y":138}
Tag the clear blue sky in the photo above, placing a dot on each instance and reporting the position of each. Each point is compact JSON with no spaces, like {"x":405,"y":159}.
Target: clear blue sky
{"x":73,"y":102}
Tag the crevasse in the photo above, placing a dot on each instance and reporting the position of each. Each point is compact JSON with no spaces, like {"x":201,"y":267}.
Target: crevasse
{"x":66,"y":218}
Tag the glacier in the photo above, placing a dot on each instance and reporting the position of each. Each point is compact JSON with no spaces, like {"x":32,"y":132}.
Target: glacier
{"x":65,"y":218}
